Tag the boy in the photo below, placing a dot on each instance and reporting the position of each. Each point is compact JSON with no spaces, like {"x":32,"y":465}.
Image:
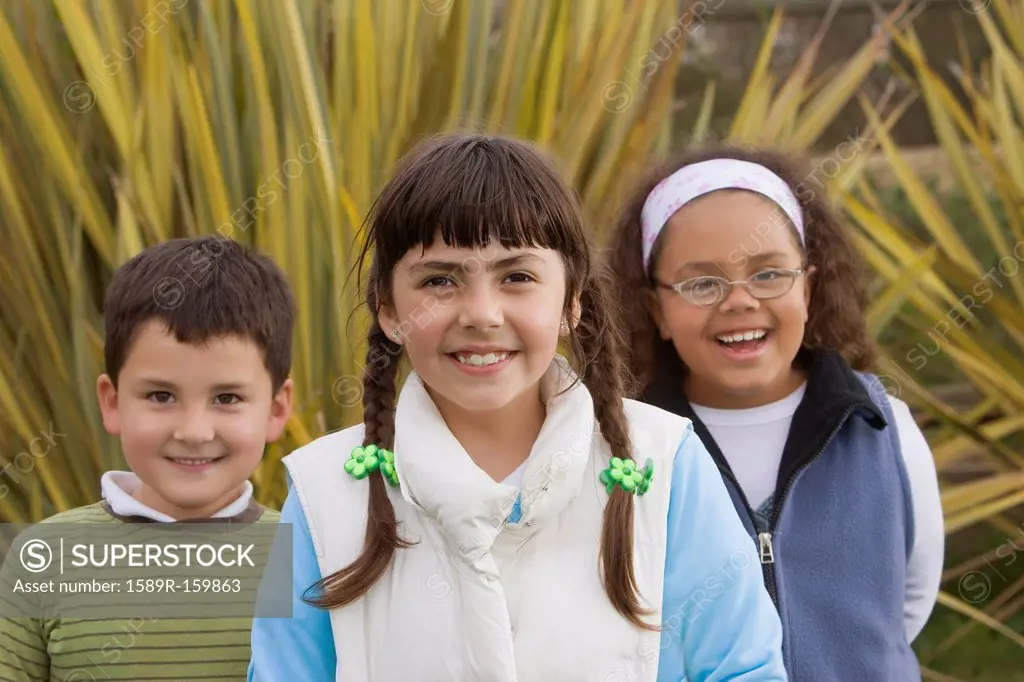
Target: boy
{"x":197,"y":354}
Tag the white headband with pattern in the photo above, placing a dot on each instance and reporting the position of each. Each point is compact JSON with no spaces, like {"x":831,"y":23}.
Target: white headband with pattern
{"x":696,"y":180}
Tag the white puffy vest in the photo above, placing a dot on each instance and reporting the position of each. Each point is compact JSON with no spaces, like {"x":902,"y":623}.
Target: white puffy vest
{"x":478,"y":598}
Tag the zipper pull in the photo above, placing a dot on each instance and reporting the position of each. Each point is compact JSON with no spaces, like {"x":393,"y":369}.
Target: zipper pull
{"x":767,"y":553}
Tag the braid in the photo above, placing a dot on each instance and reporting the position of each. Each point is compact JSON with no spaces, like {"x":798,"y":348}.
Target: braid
{"x":601,"y":346}
{"x":379,"y":389}
{"x":353,"y":581}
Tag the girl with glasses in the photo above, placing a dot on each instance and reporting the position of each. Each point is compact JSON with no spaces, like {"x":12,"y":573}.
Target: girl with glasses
{"x":745,"y":308}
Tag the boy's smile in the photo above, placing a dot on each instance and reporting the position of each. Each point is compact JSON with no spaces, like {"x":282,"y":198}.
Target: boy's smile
{"x":193,"y":418}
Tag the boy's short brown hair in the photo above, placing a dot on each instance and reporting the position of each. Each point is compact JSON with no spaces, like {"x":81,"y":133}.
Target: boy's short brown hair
{"x":202,"y":288}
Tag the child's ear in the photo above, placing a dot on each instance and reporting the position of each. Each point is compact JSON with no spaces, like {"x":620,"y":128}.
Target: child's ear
{"x":653,"y":305}
{"x":574,"y":318}
{"x":280,"y":410}
{"x":388,"y":322}
{"x":106,"y":395}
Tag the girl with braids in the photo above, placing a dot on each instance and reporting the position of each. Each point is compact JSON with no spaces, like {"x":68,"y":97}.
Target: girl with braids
{"x":507,"y":515}
{"x":745,"y":314}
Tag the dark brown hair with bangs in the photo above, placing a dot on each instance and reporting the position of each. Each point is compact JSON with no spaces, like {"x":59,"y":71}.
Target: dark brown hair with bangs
{"x":469,"y":189}
{"x":836,"y":316}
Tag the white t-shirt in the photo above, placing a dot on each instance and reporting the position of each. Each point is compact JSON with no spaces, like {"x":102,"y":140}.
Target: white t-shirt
{"x":752,"y":441}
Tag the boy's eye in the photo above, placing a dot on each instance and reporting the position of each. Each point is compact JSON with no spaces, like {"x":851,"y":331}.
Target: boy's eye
{"x":227,"y":399}
{"x":159,"y":396}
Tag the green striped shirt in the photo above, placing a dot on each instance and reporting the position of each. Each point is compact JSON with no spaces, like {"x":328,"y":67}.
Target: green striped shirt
{"x":63,"y":649}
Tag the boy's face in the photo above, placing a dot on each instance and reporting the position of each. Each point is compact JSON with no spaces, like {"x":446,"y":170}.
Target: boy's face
{"x":193,"y":419}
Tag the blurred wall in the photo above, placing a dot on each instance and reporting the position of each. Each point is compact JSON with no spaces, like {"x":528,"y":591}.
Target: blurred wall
{"x":726,"y":48}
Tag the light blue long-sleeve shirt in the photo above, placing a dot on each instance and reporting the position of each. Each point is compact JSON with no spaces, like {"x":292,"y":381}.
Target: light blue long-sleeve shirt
{"x":718,"y":622}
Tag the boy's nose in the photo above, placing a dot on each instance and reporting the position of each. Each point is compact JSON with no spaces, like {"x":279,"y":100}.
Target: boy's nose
{"x":481,"y":309}
{"x":197,"y":427}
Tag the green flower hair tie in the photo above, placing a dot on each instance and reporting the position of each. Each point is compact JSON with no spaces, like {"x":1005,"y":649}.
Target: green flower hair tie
{"x":366,"y":459}
{"x":624,"y":473}
{"x":387,"y":467}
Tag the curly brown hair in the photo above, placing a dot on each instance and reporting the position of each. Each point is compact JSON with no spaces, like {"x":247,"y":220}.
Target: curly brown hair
{"x":469,"y":189}
{"x":836,"y":318}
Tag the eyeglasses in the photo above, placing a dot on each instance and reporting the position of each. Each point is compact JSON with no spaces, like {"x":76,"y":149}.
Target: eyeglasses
{"x":707,"y":291}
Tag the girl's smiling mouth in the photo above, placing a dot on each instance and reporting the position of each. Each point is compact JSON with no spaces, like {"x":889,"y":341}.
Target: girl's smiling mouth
{"x":480,"y":361}
{"x":744,"y":344}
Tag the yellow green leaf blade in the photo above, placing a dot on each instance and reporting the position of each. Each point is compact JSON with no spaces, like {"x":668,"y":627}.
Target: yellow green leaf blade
{"x":927,"y":207}
{"x":51,"y":135}
{"x":885,"y":306}
{"x":983,"y":618}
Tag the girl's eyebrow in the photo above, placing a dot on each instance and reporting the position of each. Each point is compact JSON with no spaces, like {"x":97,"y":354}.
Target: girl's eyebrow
{"x":762,"y":257}
{"x":709,"y":265}
{"x":519,"y":259}
{"x":699,"y":265}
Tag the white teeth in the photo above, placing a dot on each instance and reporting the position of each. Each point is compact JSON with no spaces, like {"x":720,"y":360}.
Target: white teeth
{"x":192,"y":462}
{"x":481,"y":360}
{"x":742,"y":336}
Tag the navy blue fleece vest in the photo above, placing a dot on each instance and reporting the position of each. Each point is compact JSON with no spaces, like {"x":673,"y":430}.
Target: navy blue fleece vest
{"x":835,"y":561}
{"x":839,"y":550}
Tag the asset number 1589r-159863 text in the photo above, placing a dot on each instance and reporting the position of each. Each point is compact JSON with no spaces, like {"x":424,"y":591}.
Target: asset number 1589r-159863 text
{"x":185,"y":585}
